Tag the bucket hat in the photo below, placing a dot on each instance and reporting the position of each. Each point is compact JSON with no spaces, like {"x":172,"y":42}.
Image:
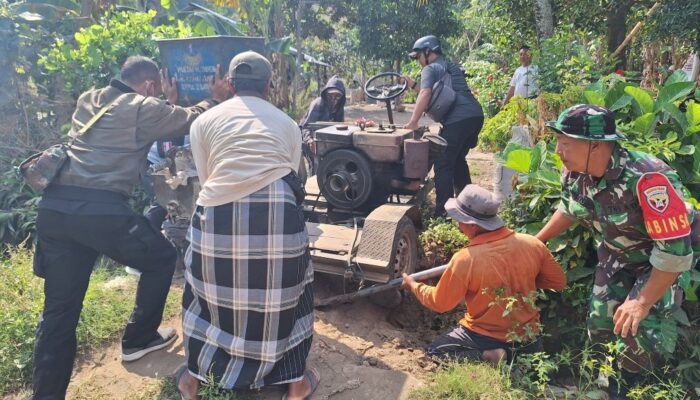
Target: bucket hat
{"x":475,"y":205}
{"x":587,"y":122}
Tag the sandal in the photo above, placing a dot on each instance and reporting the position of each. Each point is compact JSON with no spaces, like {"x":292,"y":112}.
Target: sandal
{"x":178,"y":375}
{"x":314,"y":378}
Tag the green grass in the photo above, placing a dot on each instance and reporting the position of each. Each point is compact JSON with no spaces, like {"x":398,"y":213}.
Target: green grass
{"x":107,"y":306}
{"x":467,"y":381}
{"x":164,"y":389}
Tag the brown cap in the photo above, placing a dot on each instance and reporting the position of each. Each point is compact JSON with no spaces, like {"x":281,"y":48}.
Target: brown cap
{"x":250,"y":65}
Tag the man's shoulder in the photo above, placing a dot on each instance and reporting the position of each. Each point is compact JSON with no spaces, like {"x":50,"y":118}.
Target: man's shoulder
{"x":641,"y":163}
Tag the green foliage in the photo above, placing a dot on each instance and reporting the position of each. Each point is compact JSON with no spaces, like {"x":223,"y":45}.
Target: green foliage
{"x":468,"y":381}
{"x":388,"y":29}
{"x":661,"y":124}
{"x":17,"y":210}
{"x":496,"y":131}
{"x":571,"y":58}
{"x":99,"y":50}
{"x":443,"y":238}
{"x":678,"y":20}
{"x":488,"y":83}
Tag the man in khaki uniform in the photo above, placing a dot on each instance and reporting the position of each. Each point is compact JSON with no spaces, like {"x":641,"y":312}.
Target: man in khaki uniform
{"x":85,"y":213}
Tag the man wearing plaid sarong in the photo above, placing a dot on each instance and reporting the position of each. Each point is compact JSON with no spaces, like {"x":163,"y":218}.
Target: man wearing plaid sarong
{"x":248,"y":301}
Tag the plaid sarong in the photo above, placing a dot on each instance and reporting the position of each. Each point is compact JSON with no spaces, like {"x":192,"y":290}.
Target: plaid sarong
{"x":248,"y":301}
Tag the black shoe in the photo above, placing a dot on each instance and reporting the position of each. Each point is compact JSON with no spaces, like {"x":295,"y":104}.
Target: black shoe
{"x":166,"y":336}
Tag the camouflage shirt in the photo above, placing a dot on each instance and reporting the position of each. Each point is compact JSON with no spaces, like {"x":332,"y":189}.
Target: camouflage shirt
{"x":611,"y":207}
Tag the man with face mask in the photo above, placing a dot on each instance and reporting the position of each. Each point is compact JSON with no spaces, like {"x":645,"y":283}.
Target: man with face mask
{"x":648,"y":235}
{"x":85,"y":212}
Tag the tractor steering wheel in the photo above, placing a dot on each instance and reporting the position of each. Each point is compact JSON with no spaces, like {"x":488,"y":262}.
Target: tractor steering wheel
{"x":384,"y":89}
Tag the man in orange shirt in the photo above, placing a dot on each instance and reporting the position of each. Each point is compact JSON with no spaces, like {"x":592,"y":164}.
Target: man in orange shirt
{"x":497,"y":275}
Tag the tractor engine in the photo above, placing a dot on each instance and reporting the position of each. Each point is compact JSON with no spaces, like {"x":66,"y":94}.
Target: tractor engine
{"x":359,"y":168}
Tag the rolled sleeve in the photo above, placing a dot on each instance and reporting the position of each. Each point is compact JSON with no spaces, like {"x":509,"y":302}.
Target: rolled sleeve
{"x":668,"y":262}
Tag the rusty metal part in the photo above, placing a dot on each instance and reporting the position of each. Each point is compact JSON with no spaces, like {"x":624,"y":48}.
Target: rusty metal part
{"x":415,"y":158}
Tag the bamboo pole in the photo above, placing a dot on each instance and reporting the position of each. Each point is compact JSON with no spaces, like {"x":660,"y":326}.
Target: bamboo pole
{"x":634,"y":31}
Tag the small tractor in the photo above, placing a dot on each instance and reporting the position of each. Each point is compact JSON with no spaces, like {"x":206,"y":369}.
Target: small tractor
{"x":360,"y":206}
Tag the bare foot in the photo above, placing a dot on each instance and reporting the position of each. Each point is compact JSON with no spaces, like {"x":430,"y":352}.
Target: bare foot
{"x":300,"y":390}
{"x":188,"y":386}
{"x":494,"y":356}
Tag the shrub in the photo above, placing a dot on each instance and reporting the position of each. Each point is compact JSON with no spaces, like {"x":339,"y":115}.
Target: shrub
{"x":100,"y":49}
{"x":440,"y":240}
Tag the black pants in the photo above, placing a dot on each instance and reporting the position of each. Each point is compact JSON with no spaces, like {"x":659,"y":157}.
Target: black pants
{"x":462,"y":344}
{"x":451,"y":170}
{"x":68,"y":246}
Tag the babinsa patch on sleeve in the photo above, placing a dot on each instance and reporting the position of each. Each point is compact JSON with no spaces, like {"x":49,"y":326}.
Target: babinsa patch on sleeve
{"x":665,"y":215}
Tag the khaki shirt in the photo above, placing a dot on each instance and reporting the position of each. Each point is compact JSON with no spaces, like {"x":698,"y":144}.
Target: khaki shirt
{"x":112,"y":154}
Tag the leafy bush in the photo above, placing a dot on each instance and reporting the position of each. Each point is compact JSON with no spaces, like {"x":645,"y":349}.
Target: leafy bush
{"x":100,"y":49}
{"x":17,"y":210}
{"x":571,"y":58}
{"x":440,"y":240}
{"x":663,"y":125}
{"x":488,"y":83}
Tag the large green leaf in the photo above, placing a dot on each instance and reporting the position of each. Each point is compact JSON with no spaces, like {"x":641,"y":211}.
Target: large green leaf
{"x":593,"y":97}
{"x":281,"y":45}
{"x":645,"y":123}
{"x":519,"y":160}
{"x":642,"y":98}
{"x":677,"y":76}
{"x":578,"y":273}
{"x":672,"y":92}
{"x":676,"y":114}
{"x":692,"y":115}
{"x":616,"y":98}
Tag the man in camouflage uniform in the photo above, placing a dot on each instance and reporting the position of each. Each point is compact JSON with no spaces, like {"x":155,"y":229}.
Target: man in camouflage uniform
{"x":648,"y":235}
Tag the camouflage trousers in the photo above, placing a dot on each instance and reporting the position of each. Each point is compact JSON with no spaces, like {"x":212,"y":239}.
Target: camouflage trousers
{"x":658,"y":332}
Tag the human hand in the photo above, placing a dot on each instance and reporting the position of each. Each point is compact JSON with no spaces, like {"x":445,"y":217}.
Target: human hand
{"x":168,"y":86}
{"x":408,"y":282}
{"x":218,"y":86}
{"x":628,"y":316}
{"x":409,"y":82}
{"x":411,"y":125}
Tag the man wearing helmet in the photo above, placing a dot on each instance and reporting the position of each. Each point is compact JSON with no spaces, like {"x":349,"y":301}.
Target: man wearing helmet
{"x":460,"y":125}
{"x":647,"y":231}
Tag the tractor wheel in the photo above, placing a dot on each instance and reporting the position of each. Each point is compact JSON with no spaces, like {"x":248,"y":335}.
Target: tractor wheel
{"x":345,"y":178}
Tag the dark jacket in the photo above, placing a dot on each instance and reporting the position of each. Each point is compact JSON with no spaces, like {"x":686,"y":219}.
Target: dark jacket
{"x":111,"y":155}
{"x":319,"y":109}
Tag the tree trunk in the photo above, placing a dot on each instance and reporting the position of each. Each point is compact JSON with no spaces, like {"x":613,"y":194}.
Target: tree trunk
{"x":650,"y":71}
{"x":617,"y":28}
{"x":544,"y":19}
{"x":398,"y":102}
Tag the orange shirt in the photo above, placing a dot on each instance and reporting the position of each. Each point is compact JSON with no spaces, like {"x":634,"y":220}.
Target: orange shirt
{"x":497,"y":275}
